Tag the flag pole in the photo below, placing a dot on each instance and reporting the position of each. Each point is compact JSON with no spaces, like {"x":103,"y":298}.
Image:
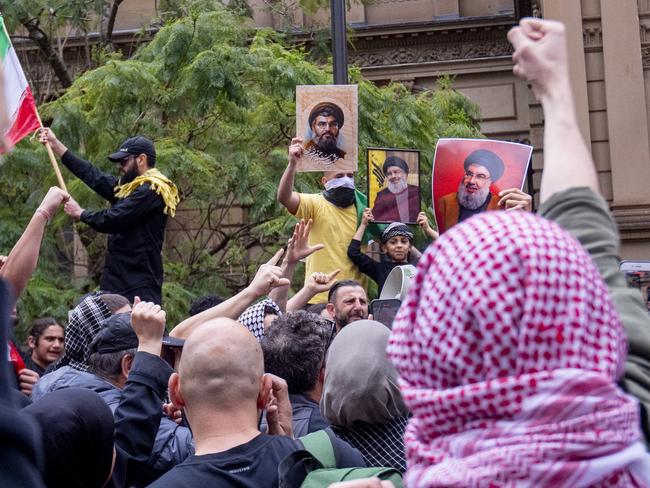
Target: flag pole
{"x":50,"y":153}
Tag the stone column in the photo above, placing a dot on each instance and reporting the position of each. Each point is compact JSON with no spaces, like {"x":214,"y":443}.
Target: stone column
{"x":445,"y":9}
{"x":626,"y":103}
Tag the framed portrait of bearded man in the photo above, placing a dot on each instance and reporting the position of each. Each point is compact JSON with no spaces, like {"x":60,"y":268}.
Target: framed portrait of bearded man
{"x":327,"y":122}
{"x":394,"y":185}
{"x":469,"y":174}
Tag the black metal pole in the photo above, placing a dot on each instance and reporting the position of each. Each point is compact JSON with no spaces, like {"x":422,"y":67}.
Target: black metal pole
{"x":339,"y":45}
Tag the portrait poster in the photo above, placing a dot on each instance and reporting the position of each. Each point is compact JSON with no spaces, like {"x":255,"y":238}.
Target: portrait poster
{"x":327,"y":122}
{"x":468,"y":175}
{"x":394,"y":185}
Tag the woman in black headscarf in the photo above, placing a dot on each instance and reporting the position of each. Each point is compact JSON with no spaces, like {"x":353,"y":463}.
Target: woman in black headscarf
{"x":77,"y":432}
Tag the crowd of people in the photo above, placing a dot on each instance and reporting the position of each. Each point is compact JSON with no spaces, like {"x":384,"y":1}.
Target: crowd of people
{"x":519,"y":356}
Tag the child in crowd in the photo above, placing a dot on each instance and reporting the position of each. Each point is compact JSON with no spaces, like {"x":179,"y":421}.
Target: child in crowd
{"x":396,"y":245}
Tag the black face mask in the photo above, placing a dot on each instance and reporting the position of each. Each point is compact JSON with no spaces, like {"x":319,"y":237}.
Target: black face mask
{"x":341,"y":197}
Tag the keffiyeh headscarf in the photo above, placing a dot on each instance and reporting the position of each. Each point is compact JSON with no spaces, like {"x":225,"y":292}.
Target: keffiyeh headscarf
{"x":253,"y":317}
{"x":396,"y":229}
{"x":84,"y":321}
{"x":508,"y":348}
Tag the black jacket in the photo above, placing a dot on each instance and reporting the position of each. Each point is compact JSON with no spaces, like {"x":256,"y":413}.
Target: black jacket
{"x":136,"y":230}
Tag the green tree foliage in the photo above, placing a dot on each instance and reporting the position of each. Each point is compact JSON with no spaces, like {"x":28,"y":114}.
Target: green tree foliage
{"x":218,"y":98}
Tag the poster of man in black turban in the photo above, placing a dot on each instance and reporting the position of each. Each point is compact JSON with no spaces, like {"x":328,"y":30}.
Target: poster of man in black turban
{"x":393,"y":185}
{"x":469,"y":174}
{"x":326,"y":119}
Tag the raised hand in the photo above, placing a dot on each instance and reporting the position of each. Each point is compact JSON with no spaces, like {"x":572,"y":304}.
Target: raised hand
{"x":367,"y":217}
{"x":269,"y":276}
{"x":540,"y":55}
{"x":298,"y":246}
{"x":148,"y":321}
{"x":321,"y":282}
{"x":52,"y":200}
{"x":423,"y":222}
{"x":278,"y":406}
{"x":295,"y":150}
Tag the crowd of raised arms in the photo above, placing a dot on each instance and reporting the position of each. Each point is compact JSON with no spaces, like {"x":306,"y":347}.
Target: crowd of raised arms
{"x":518,"y":356}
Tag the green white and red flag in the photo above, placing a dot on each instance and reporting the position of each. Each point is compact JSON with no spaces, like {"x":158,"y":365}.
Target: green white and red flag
{"x":21,"y":109}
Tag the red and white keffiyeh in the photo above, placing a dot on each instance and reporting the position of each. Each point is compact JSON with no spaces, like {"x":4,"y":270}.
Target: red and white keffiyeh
{"x":508,"y":348}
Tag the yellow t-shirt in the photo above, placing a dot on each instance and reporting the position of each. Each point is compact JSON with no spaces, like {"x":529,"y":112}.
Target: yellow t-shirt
{"x":334,"y":227}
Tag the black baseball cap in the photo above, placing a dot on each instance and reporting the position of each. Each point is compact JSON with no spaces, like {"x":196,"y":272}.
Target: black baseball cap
{"x":135,"y":145}
{"x":118,"y":335}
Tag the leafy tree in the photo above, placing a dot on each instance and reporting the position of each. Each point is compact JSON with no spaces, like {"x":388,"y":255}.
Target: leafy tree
{"x":218,"y":98}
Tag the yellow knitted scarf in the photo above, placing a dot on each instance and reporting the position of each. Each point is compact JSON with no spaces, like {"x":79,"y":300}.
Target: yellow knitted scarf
{"x":162,"y":185}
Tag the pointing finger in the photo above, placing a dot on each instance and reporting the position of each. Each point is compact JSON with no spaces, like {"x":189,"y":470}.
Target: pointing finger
{"x":275,"y":259}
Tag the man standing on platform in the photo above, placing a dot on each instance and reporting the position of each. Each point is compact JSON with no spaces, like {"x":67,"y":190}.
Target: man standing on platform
{"x":140,"y":200}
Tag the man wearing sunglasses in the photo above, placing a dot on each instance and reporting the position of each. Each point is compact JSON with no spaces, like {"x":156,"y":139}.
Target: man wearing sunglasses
{"x":141,"y":198}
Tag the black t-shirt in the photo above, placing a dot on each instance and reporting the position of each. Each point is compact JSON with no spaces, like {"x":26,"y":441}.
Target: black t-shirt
{"x":249,"y":465}
{"x":30,"y":364}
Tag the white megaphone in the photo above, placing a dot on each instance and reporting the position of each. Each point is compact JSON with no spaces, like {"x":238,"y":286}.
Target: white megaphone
{"x":398,"y":282}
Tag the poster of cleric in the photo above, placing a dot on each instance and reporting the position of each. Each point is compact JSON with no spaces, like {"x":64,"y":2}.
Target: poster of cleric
{"x":326,"y":120}
{"x":468,"y":175}
{"x":394,"y":185}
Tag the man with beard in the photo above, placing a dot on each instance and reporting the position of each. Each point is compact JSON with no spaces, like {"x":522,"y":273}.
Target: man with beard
{"x":399,"y":201}
{"x":325,"y":121}
{"x":135,"y":223}
{"x":347,"y":302}
{"x":482,"y":168}
{"x":334,"y":216}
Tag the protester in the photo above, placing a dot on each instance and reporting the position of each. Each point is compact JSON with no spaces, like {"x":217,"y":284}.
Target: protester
{"x":516,"y":366}
{"x":46,"y":340}
{"x":294,"y":349}
{"x":84,"y":322}
{"x":222,"y":388}
{"x":569,"y":191}
{"x":361,"y":398}
{"x":18,"y":268}
{"x":141,"y":200}
{"x":111,"y":356}
{"x":334,"y":213}
{"x":77,"y":434}
{"x":19,"y":450}
{"x":396,"y":244}
{"x":258,"y":317}
{"x":346,"y":302}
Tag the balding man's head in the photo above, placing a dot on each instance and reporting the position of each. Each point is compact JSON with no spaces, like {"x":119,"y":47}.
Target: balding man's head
{"x":221,"y":367}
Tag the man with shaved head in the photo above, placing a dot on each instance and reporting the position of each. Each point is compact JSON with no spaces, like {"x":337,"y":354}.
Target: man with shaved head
{"x":222,"y":389}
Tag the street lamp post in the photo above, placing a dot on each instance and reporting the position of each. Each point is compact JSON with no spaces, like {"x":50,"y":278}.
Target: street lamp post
{"x":339,"y":45}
